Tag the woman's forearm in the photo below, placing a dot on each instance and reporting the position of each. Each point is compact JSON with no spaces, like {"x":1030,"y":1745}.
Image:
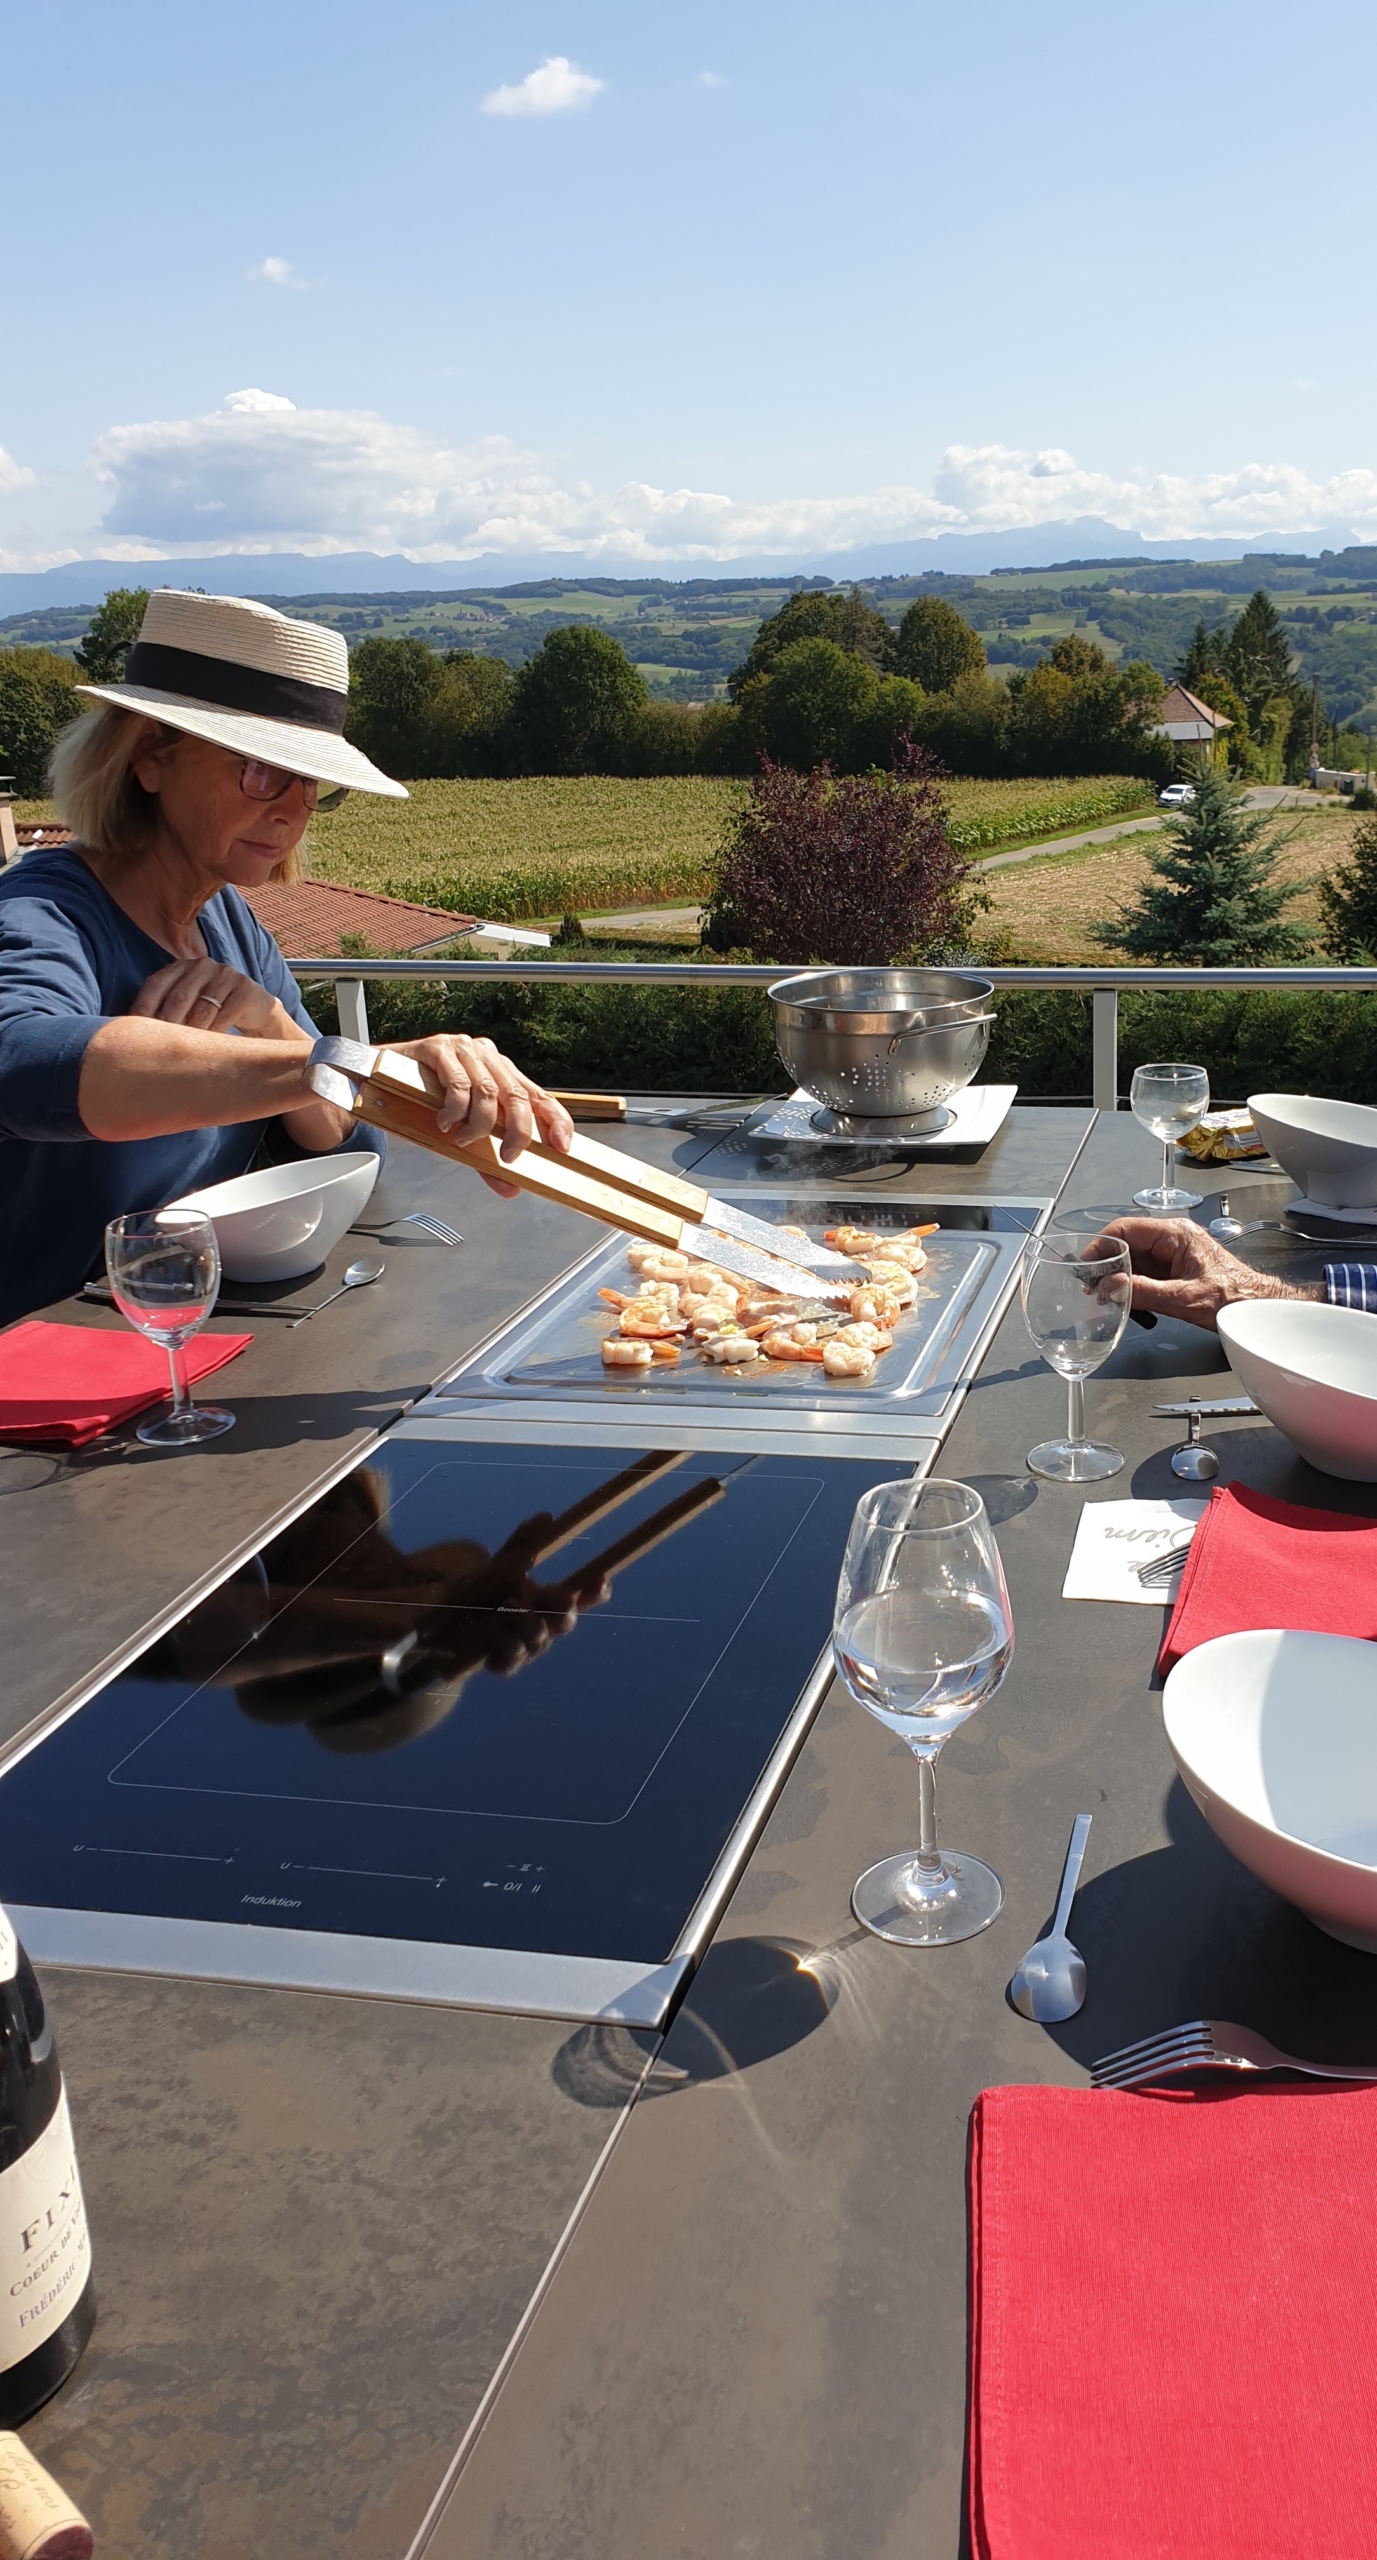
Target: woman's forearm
{"x":149,"y":1079}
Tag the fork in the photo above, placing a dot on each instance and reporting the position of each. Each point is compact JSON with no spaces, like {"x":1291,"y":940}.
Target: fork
{"x":1209,"y":2044}
{"x":1161,"y":1568}
{"x":414,"y":1218}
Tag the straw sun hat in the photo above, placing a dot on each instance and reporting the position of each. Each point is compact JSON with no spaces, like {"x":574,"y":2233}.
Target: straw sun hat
{"x":249,"y":679}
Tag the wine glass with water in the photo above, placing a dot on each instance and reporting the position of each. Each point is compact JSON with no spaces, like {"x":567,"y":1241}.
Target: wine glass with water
{"x":923,"y":1635}
{"x":164,"y":1272}
{"x":1077,"y":1291}
{"x":1168,"y":1100}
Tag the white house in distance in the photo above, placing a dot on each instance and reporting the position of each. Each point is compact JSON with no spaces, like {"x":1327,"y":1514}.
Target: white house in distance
{"x":1189,"y":722}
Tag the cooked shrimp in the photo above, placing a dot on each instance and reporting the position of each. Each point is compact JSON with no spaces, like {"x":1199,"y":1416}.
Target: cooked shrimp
{"x":855,"y":1242}
{"x":846,"y":1359}
{"x":775,"y":1310}
{"x":664,"y":1293}
{"x":616,"y":1297}
{"x":869,"y":1337}
{"x":656,"y":1262}
{"x":665,"y":1353}
{"x":617,"y":1353}
{"x":894,"y":1281}
{"x":874,"y":1306}
{"x":646,"y":1321}
{"x":732,"y":1350}
{"x":792,"y":1342}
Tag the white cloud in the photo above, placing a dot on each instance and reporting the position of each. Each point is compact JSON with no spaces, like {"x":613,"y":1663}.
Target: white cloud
{"x":259,"y":474}
{"x":712,"y":80}
{"x":276,"y":271}
{"x":255,"y":403}
{"x":550,"y":91}
{"x":14,"y":475}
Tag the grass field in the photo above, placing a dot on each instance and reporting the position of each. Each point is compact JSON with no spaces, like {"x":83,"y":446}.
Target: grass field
{"x":1045,"y":909}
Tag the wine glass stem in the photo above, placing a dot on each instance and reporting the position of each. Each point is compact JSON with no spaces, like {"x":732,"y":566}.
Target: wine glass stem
{"x":929,"y":1855}
{"x":1075,"y":1410}
{"x":181,"y":1393}
{"x":1166,"y":1164}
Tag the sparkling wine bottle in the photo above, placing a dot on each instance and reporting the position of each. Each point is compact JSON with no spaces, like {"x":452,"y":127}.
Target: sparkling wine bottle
{"x":47,"y":2300}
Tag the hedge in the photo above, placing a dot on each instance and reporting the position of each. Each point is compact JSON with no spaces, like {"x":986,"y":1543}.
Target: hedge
{"x":720,"y":1040}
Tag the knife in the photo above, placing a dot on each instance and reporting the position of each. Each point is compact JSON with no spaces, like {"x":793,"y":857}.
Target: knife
{"x":395,"y":1092}
{"x":1216,"y":1404}
{"x":96,"y":1294}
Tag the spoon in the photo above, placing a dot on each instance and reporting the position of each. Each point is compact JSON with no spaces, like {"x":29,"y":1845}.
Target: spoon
{"x":1050,"y":1982}
{"x":358,"y":1276}
{"x":1226,"y":1225}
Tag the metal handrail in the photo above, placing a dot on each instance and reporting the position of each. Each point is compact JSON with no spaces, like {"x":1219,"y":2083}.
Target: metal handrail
{"x":1103,"y":986}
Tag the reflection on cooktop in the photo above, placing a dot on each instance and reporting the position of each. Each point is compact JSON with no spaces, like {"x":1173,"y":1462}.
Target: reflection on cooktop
{"x":506,"y":1698}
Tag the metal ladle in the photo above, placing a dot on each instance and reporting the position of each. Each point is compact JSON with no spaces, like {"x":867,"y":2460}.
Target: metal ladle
{"x":358,"y":1276}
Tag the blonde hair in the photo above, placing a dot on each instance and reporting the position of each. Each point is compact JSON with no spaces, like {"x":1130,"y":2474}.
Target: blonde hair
{"x":99,"y":795}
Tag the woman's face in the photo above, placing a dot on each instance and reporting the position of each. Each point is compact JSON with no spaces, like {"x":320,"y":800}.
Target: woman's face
{"x":210,"y":819}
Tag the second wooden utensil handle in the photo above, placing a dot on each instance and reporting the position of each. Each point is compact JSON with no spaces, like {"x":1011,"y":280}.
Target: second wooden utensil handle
{"x":550,"y":1177}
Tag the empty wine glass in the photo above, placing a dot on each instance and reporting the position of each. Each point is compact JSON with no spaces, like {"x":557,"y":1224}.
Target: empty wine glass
{"x":164,"y":1271}
{"x":1077,"y":1291}
{"x":923,"y":1635}
{"x":1168,"y":1100}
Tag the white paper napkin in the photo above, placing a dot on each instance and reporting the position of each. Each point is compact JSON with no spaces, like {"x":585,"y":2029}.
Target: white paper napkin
{"x":1114,"y":1538}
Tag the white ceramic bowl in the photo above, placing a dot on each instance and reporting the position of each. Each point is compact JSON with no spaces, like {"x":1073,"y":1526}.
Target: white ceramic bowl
{"x":1273,"y":1734}
{"x":282,"y":1222}
{"x":1313,"y":1371}
{"x":1328,"y":1148}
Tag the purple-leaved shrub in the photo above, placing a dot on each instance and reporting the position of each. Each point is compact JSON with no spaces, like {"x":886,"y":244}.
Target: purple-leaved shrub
{"x":855,"y":869}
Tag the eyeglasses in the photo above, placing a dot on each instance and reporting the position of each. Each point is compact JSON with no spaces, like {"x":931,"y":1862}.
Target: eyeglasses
{"x":269,"y":781}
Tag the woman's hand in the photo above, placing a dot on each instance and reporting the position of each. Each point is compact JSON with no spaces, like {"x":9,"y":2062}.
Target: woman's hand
{"x":484,"y":1092}
{"x":207,"y":995}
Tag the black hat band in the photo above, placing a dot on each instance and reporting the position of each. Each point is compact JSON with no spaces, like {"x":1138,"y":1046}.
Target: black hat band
{"x":224,"y":685}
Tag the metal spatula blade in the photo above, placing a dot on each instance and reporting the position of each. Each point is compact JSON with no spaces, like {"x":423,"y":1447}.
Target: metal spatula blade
{"x":800,"y":1250}
{"x":765,"y":1268}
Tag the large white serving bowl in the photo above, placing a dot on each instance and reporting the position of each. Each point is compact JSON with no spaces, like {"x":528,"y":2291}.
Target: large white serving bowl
{"x":1273,"y":1733}
{"x":1313,"y":1371}
{"x":282,"y":1222}
{"x":1328,"y":1148}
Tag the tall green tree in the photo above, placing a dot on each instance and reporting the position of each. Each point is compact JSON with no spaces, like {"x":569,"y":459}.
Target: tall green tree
{"x":1257,"y":656}
{"x":1201,"y":661}
{"x":1077,"y":713}
{"x":577,"y":703}
{"x":1348,"y":902}
{"x":422,"y":717}
{"x":1210,"y":898}
{"x":935,"y":647}
{"x":38,"y":697}
{"x":111,"y":633}
{"x":811,"y":708}
{"x":844,"y":619}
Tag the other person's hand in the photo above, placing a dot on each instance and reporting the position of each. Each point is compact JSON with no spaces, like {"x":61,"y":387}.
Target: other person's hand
{"x":207,"y":995}
{"x":1180,"y":1270}
{"x":484,"y":1092}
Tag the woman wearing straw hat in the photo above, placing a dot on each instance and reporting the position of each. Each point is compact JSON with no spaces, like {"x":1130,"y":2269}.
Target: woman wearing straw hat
{"x":128,"y":956}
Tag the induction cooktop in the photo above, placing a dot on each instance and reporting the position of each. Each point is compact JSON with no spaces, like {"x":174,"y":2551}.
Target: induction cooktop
{"x":491,"y":1723}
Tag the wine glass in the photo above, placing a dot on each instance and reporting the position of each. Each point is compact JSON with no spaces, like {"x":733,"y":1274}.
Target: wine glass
{"x":923,"y":1635}
{"x":1077,"y":1292}
{"x":1168,"y":1100}
{"x":164,"y":1271}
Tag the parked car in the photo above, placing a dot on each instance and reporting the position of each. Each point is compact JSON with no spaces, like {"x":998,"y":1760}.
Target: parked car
{"x":1176,"y":795}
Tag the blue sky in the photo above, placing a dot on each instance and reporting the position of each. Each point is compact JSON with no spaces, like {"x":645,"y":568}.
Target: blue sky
{"x":759,"y":279}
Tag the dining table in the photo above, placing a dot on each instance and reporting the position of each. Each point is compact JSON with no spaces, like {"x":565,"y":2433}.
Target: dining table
{"x":381,"y":2279}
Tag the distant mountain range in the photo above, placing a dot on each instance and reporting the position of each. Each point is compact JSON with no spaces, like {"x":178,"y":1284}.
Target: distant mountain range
{"x":1085,"y":541}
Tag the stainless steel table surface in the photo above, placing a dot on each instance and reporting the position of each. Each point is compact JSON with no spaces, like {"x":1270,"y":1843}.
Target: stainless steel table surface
{"x":756,"y":2341}
{"x":318,"y":2221}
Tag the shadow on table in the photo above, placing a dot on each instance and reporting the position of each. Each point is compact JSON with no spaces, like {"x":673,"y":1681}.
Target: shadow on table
{"x":751,"y":1998}
{"x":1186,"y":1932}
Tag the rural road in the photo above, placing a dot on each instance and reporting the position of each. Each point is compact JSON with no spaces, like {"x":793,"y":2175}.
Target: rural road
{"x":1264,"y":795}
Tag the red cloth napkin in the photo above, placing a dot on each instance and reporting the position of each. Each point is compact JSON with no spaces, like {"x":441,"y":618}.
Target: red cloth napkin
{"x":1258,"y":1563}
{"x":71,"y":1381}
{"x":1172,"y":2325}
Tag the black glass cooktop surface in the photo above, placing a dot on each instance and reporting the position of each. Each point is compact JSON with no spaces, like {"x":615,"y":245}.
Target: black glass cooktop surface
{"x":483,"y":1696}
